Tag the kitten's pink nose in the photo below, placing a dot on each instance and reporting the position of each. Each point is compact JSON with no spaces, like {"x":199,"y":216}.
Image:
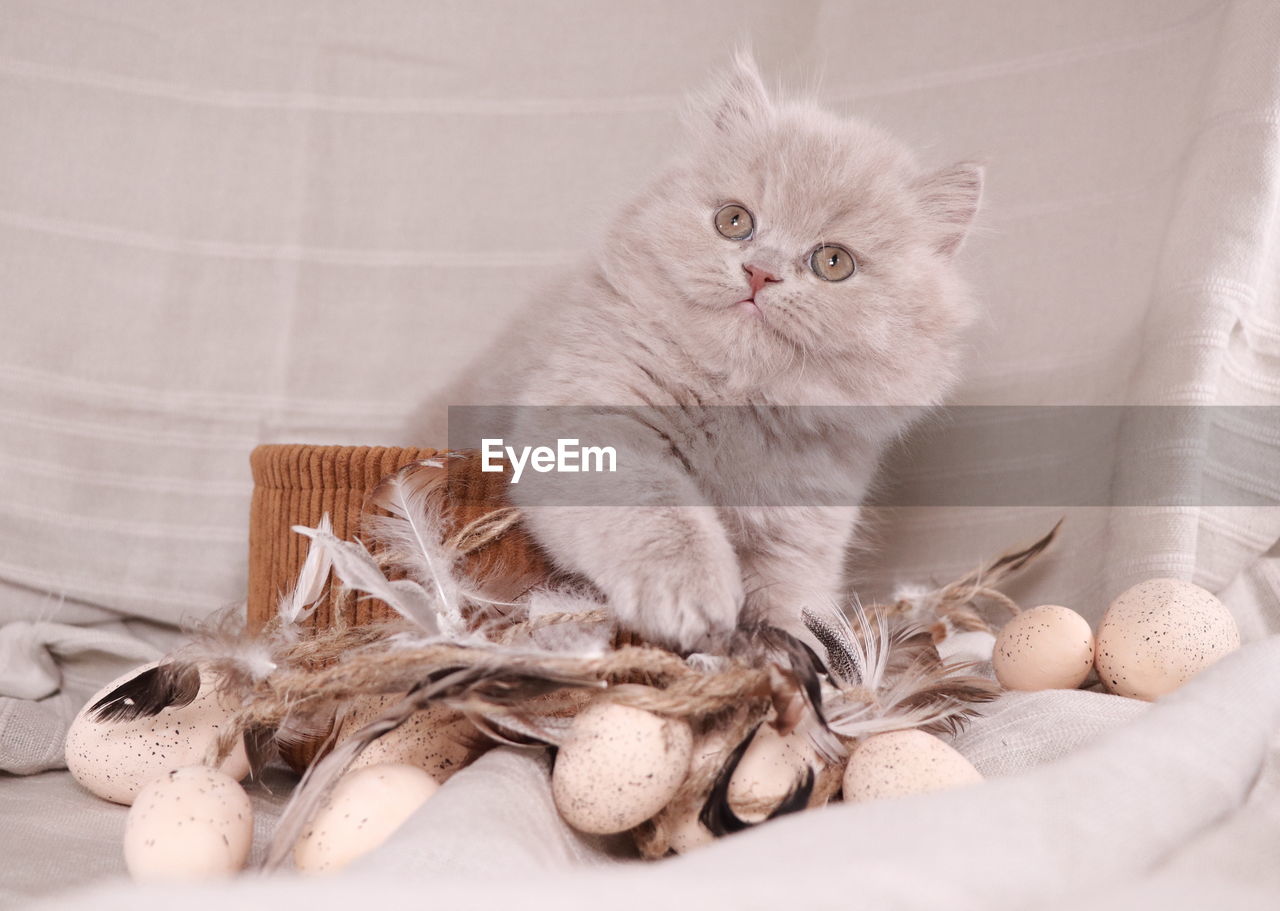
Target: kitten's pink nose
{"x":758,"y":276}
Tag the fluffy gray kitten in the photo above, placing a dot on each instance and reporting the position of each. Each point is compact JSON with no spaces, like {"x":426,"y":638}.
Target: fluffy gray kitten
{"x":787,"y":257}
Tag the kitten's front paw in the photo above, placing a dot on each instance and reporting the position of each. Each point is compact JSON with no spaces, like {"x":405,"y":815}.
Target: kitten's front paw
{"x":680,"y":602}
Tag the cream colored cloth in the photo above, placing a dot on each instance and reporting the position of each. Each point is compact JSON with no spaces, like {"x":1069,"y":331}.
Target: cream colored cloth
{"x":222,"y":225}
{"x":47,"y":673}
{"x":1124,"y":805}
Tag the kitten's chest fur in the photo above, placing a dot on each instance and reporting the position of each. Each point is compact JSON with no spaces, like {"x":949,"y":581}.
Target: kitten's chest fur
{"x":743,"y":443}
{"x":772,"y":455}
{"x":800,"y":439}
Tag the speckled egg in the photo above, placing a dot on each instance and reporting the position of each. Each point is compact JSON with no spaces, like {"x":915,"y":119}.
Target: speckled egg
{"x":115,"y":759}
{"x":364,"y":808}
{"x":904,"y":762}
{"x":192,"y":823}
{"x":769,"y":771}
{"x":1046,"y":648}
{"x":1159,"y":634}
{"x":437,"y":739}
{"x":619,"y":766}
{"x":685,"y":830}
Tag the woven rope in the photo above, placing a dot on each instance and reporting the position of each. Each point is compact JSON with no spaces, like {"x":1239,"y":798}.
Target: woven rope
{"x":485,"y":530}
{"x":335,"y":665}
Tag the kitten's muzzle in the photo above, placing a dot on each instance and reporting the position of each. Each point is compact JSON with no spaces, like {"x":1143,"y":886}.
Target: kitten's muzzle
{"x":758,"y":277}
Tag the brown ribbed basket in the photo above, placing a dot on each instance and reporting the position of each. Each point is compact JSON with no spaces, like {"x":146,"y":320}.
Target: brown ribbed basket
{"x":300,"y":484}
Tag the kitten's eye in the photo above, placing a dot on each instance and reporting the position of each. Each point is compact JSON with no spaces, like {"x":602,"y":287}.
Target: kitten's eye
{"x":735,"y":222}
{"x":832,"y":263}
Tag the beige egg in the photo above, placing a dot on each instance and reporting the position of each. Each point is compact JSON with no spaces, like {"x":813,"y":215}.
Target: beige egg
{"x":1159,"y":634}
{"x":769,"y":771}
{"x":192,"y":823}
{"x":1046,"y":648}
{"x":115,"y":759}
{"x":438,"y":740}
{"x":619,"y":766}
{"x":904,"y":762}
{"x":360,"y":813}
{"x":685,"y":831}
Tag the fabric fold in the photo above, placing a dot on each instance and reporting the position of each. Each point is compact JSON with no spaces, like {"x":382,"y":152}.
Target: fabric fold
{"x":1100,"y":819}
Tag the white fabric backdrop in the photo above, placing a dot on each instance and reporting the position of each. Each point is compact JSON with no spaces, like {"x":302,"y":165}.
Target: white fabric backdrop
{"x":234,"y":223}
{"x":224,"y":224}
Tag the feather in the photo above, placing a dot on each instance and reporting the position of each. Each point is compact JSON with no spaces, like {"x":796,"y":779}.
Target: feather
{"x":171,"y":684}
{"x":890,"y":679}
{"x":419,"y":540}
{"x":306,"y":727}
{"x":293,"y":607}
{"x":415,"y":534}
{"x":550,"y":730}
{"x":260,"y":748}
{"x":798,"y":799}
{"x":718,"y":816}
{"x":793,"y":657}
{"x":320,"y":778}
{"x":928,"y":694}
{"x":796,"y":688}
{"x":221,"y":648}
{"x":1012,"y":562}
{"x":835,"y":635}
{"x":358,"y":570}
{"x":706,"y":663}
{"x":511,"y":730}
{"x":944,"y":694}
{"x":225,"y":649}
{"x":304,"y":733}
{"x":860,"y":649}
{"x":486,"y":687}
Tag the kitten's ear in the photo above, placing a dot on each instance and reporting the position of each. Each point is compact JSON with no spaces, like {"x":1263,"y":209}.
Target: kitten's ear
{"x":738,"y":98}
{"x":950,"y":200}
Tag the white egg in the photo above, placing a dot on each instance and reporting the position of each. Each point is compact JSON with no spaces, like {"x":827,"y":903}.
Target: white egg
{"x":685,"y":830}
{"x":114,"y":759}
{"x":438,"y":740}
{"x":619,"y":766}
{"x":1046,"y":648}
{"x":1159,"y":634}
{"x":904,"y":762}
{"x":191,"y":823}
{"x":364,"y":808}
{"x":769,"y":771}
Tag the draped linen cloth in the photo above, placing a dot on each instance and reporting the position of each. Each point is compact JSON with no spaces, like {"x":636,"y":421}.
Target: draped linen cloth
{"x":230,"y":224}
{"x":1117,"y":804}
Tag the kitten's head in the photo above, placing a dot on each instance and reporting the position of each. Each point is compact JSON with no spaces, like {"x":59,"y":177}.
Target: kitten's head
{"x":801,"y":254}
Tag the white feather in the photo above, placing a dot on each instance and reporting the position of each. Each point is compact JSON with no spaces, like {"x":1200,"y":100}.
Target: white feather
{"x":870,"y":699}
{"x":222,"y":643}
{"x":918,"y":603}
{"x":866,"y":644}
{"x":415,"y":534}
{"x":358,"y":571}
{"x":293,"y":607}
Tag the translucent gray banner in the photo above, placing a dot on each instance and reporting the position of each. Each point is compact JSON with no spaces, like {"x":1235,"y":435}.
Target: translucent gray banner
{"x":730,"y":456}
